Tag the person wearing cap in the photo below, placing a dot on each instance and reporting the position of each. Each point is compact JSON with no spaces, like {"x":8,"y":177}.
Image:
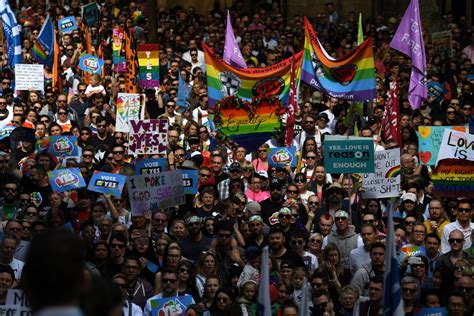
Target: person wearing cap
{"x":462,"y":223}
{"x":274,"y":203}
{"x":344,"y":237}
{"x":322,"y":124}
{"x":235,"y":172}
{"x":257,"y":236}
{"x":194,"y":242}
{"x":409,"y":205}
{"x":334,"y":196}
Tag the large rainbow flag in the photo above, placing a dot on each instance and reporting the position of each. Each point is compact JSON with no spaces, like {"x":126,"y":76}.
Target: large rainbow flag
{"x":224,"y":81}
{"x":351,"y":77}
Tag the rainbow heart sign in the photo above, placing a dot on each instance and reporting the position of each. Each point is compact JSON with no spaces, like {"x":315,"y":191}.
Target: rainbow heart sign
{"x":453,"y":178}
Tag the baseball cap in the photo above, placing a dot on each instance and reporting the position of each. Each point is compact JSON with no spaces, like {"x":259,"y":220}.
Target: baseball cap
{"x":275,"y":184}
{"x":409,"y":197}
{"x":263,"y":174}
{"x":341,"y":213}
{"x":193,"y":219}
{"x":235,"y":166}
{"x":255,"y":218}
{"x":285,"y":211}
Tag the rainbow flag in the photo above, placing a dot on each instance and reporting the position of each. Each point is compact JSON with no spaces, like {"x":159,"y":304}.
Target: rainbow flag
{"x":223,"y":81}
{"x":149,"y":63}
{"x":43,"y":49}
{"x":351,"y":77}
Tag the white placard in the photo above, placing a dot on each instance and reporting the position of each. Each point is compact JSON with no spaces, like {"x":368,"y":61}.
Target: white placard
{"x":385,"y":181}
{"x":29,"y":77}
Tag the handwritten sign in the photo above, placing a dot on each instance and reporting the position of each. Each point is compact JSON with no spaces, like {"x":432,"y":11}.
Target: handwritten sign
{"x":429,"y":140}
{"x":107,"y":183}
{"x":150,"y":165}
{"x":385,"y":181}
{"x":190,"y":181}
{"x":282,"y":156}
{"x":67,"y":24}
{"x":18,"y":298}
{"x":453,"y":178}
{"x":130,"y":106}
{"x":66,"y":179}
{"x":457,"y":145}
{"x":63,"y":146}
{"x":91,"y":64}
{"x":348,"y":154}
{"x":171,"y":306}
{"x":147,"y":137}
{"x":152,"y":192}
{"x":29,"y":77}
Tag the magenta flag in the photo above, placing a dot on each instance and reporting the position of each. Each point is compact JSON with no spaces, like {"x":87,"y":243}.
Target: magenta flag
{"x":409,"y":40}
{"x":232,"y":54}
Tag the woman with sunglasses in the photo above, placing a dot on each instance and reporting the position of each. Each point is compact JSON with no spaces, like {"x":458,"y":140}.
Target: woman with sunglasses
{"x":315,"y":245}
{"x":261,"y":162}
{"x":303,"y":193}
{"x":222,"y":300}
{"x":187,"y":280}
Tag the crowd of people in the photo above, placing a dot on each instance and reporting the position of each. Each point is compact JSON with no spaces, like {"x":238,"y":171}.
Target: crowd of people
{"x":326,"y":243}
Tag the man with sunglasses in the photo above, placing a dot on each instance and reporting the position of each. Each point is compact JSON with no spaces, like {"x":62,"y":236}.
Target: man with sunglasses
{"x":79,"y":103}
{"x":169,"y":281}
{"x":10,"y":201}
{"x":118,"y":244}
{"x":235,"y":172}
{"x":102,"y":141}
{"x":6,"y":112}
{"x":298,"y":241}
{"x":445,"y":262}
{"x":462,"y":223}
{"x":121,"y":282}
{"x":274,"y":203}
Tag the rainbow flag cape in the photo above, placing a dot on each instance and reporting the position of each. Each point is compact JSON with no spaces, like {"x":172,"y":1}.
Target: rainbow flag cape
{"x":224,"y":80}
{"x":351,"y":77}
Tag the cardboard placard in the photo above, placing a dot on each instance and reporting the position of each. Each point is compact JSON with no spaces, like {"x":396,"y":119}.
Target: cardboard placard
{"x":348,"y":154}
{"x":148,"y":137}
{"x":29,"y":77}
{"x":107,"y":183}
{"x":130,"y":106}
{"x":66,"y":179}
{"x":385,"y":181}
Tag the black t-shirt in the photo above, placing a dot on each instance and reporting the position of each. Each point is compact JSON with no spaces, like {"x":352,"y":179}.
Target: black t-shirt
{"x":29,"y":187}
{"x":101,"y":146}
{"x":192,"y":249}
{"x":268,"y":208}
{"x":290,"y":256}
{"x":153,"y":110}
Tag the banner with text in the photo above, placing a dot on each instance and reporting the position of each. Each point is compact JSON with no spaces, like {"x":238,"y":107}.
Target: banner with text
{"x":152,"y":192}
{"x":456,"y":145}
{"x":348,"y":154}
{"x":385,"y":181}
{"x":130,"y":106}
{"x":453,"y":178}
{"x":107,"y":183}
{"x":148,"y":137}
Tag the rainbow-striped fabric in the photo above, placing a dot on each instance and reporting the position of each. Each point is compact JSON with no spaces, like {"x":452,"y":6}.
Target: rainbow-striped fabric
{"x":223,"y":80}
{"x":351,"y":77}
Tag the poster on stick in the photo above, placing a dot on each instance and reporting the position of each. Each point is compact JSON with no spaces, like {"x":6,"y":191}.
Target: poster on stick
{"x":385,"y":181}
{"x":130,"y":106}
{"x":147,"y":137}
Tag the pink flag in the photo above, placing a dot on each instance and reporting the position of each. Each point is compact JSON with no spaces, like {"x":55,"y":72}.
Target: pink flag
{"x":390,"y":122}
{"x":409,"y":40}
{"x":292,"y":105}
{"x":232,"y":54}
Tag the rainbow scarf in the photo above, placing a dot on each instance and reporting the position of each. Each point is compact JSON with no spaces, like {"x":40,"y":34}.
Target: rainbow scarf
{"x":351,"y":77}
{"x":225,"y":81}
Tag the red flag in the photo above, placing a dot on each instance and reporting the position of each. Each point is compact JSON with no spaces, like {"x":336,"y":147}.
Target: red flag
{"x":292,"y":105}
{"x":391,"y":121}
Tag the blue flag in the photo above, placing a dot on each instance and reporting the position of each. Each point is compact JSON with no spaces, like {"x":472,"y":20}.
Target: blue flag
{"x":183,"y":91}
{"x":264,"y":305}
{"x":12,"y":34}
{"x":392,"y":302}
{"x":43,"y":49}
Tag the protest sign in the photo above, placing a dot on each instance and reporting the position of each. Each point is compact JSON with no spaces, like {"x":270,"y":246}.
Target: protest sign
{"x":90,"y":13}
{"x":66,"y":179}
{"x":152,"y":192}
{"x":16,"y":304}
{"x":437,"y":90}
{"x":118,"y":57}
{"x":148,"y":61}
{"x":190,"y":181}
{"x":457,"y":145}
{"x":282,"y":156}
{"x":130,"y":106}
{"x":91,"y":64}
{"x":107,"y":183}
{"x":63,"y":146}
{"x":442,"y":43}
{"x":429,"y":140}
{"x":385,"y":181}
{"x":147,"y":137}
{"x":412,"y":250}
{"x":29,"y":77}
{"x":432,"y":311}
{"x":453,"y":178}
{"x":67,"y":24}
{"x":5,"y":131}
{"x":150,"y":165}
{"x":348,"y":154}
{"x":171,"y":306}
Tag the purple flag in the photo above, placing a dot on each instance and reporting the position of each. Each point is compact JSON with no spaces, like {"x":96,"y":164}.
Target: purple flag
{"x":409,"y":40}
{"x":232,"y":54}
